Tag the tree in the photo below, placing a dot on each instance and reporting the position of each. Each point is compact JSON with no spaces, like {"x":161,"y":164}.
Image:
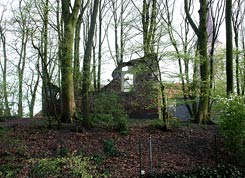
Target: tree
{"x":242,"y":41}
{"x":4,"y":67}
{"x":44,"y":56}
{"x":229,"y":48}
{"x":70,"y":15}
{"x":115,"y":7}
{"x":183,"y":50}
{"x":237,"y":18}
{"x":32,"y":90}
{"x":214,"y":21}
{"x":151,"y":60}
{"x":201,"y":32}
{"x":22,"y":20}
{"x":100,"y":44}
{"x":76,"y":70}
{"x":86,"y":67}
{"x":149,"y":26}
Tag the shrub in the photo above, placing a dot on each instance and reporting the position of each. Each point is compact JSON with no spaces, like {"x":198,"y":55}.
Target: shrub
{"x":232,"y":125}
{"x":9,"y":170}
{"x":110,"y":148}
{"x":74,"y":166}
{"x":109,"y":113}
{"x":97,"y":158}
{"x":157,"y":124}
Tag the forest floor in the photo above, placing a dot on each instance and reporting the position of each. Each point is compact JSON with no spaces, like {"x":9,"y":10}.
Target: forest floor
{"x":183,"y":148}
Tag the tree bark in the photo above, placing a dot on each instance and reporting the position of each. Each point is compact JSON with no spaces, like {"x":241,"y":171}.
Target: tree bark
{"x":77,"y":78}
{"x":21,"y":67}
{"x":229,"y":48}
{"x":86,"y":68}
{"x":67,"y":87}
{"x":202,"y":115}
{"x":100,"y":46}
{"x":44,"y":41}
{"x":237,"y":20}
{"x":201,"y":32}
{"x":4,"y":70}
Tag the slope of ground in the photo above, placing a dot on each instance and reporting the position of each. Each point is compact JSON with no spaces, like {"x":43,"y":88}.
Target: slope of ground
{"x":185,"y":148}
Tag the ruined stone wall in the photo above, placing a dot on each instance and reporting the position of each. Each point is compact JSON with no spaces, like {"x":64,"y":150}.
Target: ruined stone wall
{"x":142,"y":100}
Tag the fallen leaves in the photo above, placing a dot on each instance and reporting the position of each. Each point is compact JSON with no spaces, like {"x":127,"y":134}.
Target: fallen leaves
{"x":184,"y":148}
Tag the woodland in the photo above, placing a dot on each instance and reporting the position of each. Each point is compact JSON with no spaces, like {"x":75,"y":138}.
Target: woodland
{"x":93,"y":88}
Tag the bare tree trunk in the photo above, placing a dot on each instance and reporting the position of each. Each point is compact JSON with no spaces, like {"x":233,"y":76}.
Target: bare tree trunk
{"x":202,"y":114}
{"x":67,"y":86}
{"x":100,"y":46}
{"x":44,"y":41}
{"x":237,"y":64}
{"x":214,"y":21}
{"x":115,"y":19}
{"x":201,"y":32}
{"x":122,"y":44}
{"x":184,"y":75}
{"x":229,"y":48}
{"x":4,"y":71}
{"x":86,"y":68}
{"x":76,"y":68}
{"x":33,"y":91}
{"x":149,"y":26}
{"x":22,"y":62}
{"x":77,"y":78}
{"x":243,"y":48}
{"x":94,"y":68}
{"x":237,"y":19}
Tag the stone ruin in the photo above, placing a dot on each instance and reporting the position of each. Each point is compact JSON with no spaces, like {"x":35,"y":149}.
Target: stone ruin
{"x":135,"y":82}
